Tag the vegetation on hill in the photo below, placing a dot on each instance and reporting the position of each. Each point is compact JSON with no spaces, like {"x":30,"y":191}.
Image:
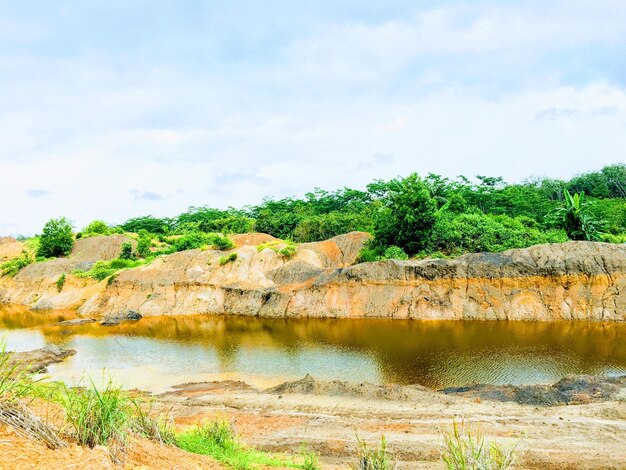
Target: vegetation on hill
{"x":427,"y":216}
{"x":414,"y":216}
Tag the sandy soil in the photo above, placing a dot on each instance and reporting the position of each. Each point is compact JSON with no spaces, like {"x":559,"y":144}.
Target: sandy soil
{"x":586,"y":436}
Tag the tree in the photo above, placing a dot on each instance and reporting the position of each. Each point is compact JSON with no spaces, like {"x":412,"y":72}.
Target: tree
{"x":575,"y":218}
{"x":56,"y":238}
{"x":408,"y":218}
{"x":97,"y":227}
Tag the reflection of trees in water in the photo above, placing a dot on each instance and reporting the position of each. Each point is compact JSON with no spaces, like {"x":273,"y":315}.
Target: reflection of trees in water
{"x":406,"y":351}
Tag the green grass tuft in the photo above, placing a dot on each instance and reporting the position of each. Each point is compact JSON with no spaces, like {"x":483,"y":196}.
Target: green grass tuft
{"x":465,"y":449}
{"x":228,"y":259}
{"x":97,"y":416}
{"x":368,"y":458}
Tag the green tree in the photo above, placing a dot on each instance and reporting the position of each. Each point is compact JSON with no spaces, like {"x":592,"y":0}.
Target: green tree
{"x":408,"y":217}
{"x":98,"y":227}
{"x":575,"y":218}
{"x":56,"y":238}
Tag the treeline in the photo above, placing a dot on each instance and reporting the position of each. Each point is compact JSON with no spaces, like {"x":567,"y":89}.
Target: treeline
{"x":431,"y":215}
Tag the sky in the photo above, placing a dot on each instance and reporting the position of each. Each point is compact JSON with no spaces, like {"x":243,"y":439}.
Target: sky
{"x":113,"y":109}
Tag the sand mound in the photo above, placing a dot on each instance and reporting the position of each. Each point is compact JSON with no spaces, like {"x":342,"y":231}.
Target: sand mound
{"x":9,"y":248}
{"x":253,"y":239}
{"x":99,"y":248}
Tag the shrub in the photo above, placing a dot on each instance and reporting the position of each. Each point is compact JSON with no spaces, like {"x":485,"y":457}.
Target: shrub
{"x":103,"y":269}
{"x":13,"y":266}
{"x":144,"y":243}
{"x":395,"y":252}
{"x":467,"y":450}
{"x":194,"y":240}
{"x":60,"y":282}
{"x":97,"y":417}
{"x":409,"y":216}
{"x":97,"y":227}
{"x":288,"y":252}
{"x":373,"y":459}
{"x":228,"y":259}
{"x":127,"y":251}
{"x":56,"y":238}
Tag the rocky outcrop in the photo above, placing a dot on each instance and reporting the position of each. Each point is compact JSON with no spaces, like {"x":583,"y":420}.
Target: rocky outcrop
{"x":569,"y":281}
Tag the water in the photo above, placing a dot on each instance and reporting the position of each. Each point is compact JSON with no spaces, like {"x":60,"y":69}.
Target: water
{"x":157,"y":353}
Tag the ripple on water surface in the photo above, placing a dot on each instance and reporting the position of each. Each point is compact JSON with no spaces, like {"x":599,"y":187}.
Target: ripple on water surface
{"x":156,"y":353}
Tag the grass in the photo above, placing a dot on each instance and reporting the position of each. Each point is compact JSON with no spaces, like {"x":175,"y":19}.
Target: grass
{"x":103,"y":269}
{"x":368,"y":458}
{"x":154,"y":427}
{"x":228,"y":259}
{"x":16,"y":380}
{"x":97,"y":416}
{"x":219,"y":440}
{"x":13,"y":266}
{"x":465,"y":449}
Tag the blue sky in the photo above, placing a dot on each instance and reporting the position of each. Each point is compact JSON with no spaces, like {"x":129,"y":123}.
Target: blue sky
{"x":111,"y":109}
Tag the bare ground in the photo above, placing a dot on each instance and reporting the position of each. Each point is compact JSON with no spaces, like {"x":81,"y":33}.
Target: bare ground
{"x":327,"y":418}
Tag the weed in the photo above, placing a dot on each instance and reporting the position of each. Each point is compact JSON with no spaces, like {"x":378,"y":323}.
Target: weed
{"x":465,"y":449}
{"x":60,"y":282}
{"x":373,"y":459}
{"x":16,"y":380}
{"x":156,"y":428}
{"x":288,"y":251}
{"x":97,"y":417}
{"x":228,"y":259}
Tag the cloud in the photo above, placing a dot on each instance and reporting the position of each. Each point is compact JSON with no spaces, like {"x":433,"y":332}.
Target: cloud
{"x":145,"y":195}
{"x":36,"y":192}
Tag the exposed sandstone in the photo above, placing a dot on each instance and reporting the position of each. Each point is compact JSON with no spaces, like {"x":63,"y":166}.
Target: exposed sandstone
{"x":568,"y":281}
{"x":10,"y":248}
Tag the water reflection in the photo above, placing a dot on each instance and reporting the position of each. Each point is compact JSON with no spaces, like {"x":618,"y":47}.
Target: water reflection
{"x":168,"y":350}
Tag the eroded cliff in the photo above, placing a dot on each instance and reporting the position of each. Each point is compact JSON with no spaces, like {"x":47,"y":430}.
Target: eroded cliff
{"x":569,"y":281}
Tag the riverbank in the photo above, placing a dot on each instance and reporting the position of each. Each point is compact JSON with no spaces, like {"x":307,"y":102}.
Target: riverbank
{"x":577,"y":423}
{"x":564,"y":281}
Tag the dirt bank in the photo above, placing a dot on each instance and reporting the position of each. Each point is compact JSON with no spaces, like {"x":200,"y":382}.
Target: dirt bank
{"x":568,"y":281}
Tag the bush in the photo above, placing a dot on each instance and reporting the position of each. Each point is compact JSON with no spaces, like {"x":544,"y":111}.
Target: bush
{"x":477,"y":232}
{"x":97,"y":227}
{"x":13,"y":266}
{"x":288,"y":252}
{"x":97,"y":417}
{"x":56,"y":238}
{"x":395,"y":252}
{"x":196,"y":240}
{"x":127,"y":251}
{"x":409,"y":216}
{"x":228,"y":259}
{"x":144,"y":243}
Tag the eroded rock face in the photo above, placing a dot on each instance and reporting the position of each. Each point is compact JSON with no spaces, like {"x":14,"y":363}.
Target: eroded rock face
{"x":575,"y":280}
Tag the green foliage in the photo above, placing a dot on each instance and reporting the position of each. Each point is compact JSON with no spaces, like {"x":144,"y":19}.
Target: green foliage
{"x":408,"y":217}
{"x":575,"y":217}
{"x":149,"y":223}
{"x":103,"y":269}
{"x":97,"y":227}
{"x":127,"y":251}
{"x":56,"y":238}
{"x":144,"y":243}
{"x":150,"y":425}
{"x":288,"y":251}
{"x":373,"y":458}
{"x":228,"y":259}
{"x":476,"y":232}
{"x":13,"y":266}
{"x":60,"y":282}
{"x":395,"y":252}
{"x":325,"y":226}
{"x":97,"y":416}
{"x":194,"y":240}
{"x":219,"y":440}
{"x":467,"y":450}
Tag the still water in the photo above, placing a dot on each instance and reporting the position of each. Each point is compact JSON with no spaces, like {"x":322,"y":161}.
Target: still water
{"x":157,"y":353}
